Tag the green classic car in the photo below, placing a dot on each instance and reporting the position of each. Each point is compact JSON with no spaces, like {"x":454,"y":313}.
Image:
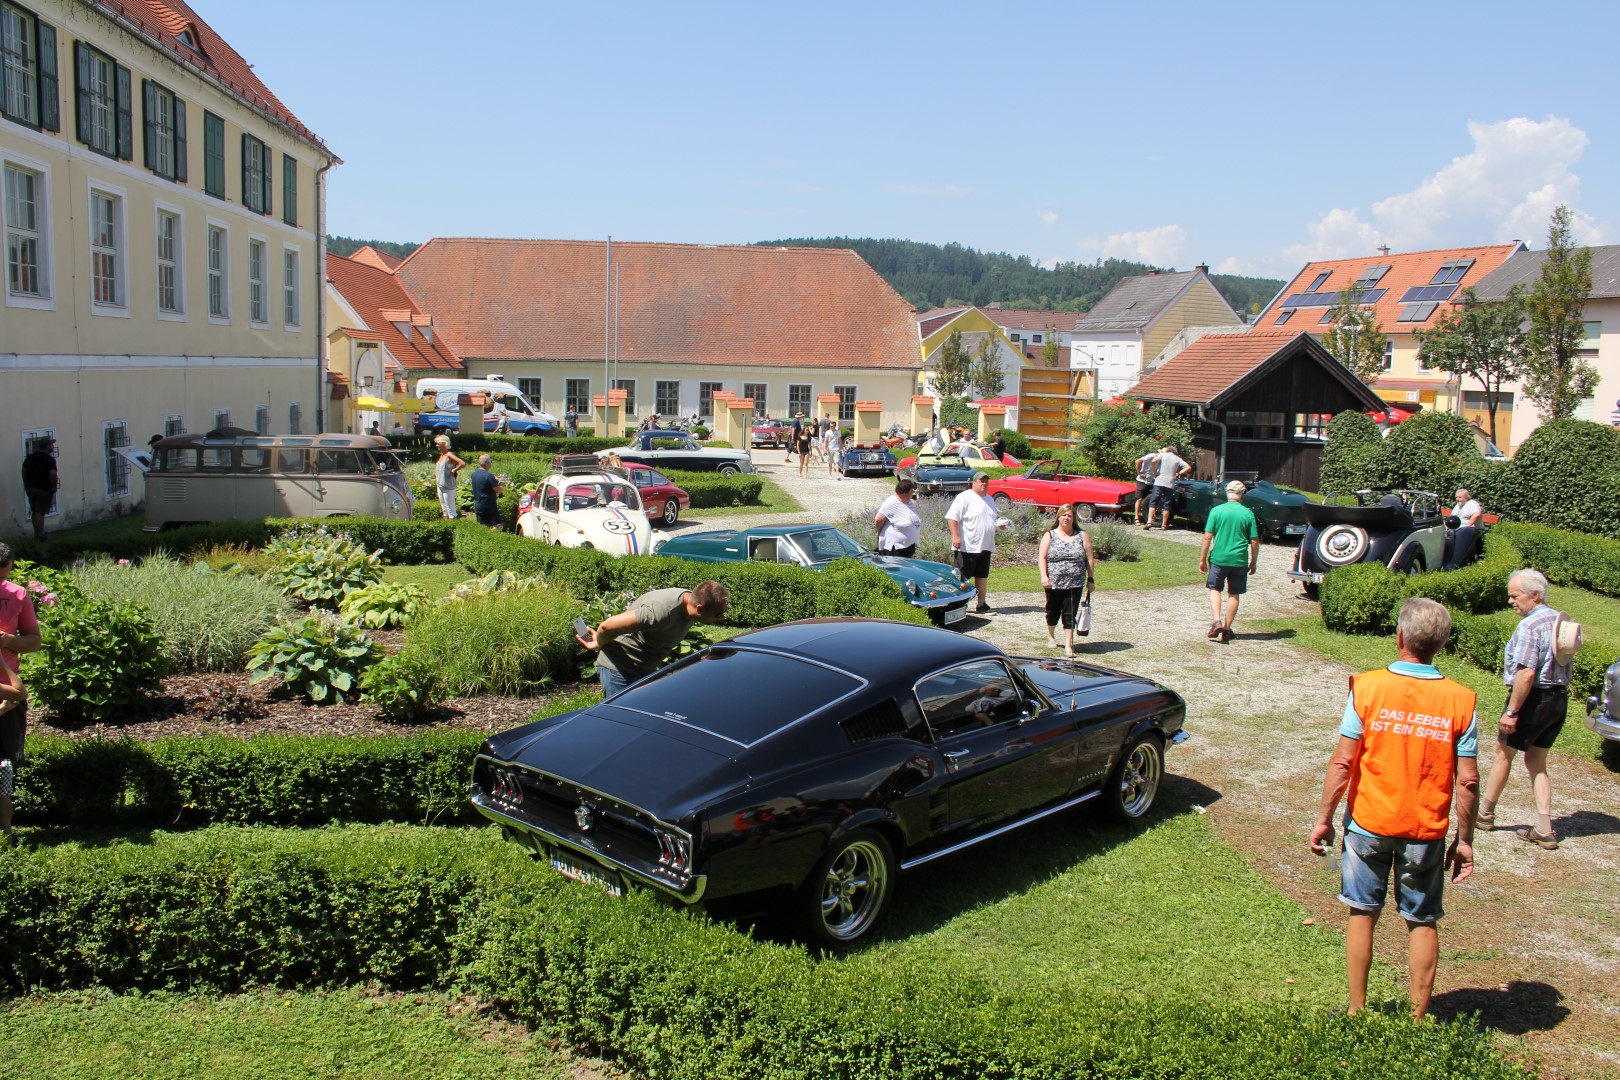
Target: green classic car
{"x":1279,"y":513}
{"x":934,"y":587}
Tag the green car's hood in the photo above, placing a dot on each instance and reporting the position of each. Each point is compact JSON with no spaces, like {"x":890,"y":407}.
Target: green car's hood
{"x":939,"y":577}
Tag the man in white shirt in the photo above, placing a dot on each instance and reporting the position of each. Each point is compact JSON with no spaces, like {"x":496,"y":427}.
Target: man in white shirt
{"x":1163,"y":500}
{"x":972,"y":519}
{"x":1467,"y":510}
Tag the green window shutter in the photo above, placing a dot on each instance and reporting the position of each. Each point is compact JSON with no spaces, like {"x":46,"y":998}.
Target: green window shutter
{"x":49,"y":95}
{"x":149,"y":123}
{"x":289,"y":189}
{"x":81,"y":90}
{"x":267,"y":178}
{"x":213,"y":154}
{"x":179,"y":140}
{"x":247,"y":151}
{"x":126,"y":123}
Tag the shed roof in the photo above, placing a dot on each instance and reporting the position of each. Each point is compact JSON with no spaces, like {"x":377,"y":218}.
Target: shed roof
{"x":1214,"y":370}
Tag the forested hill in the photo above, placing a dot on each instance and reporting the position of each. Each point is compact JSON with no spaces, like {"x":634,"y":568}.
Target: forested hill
{"x":348,"y":245}
{"x":934,"y":275}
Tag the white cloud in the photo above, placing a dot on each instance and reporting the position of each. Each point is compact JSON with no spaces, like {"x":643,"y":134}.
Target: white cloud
{"x":926,"y":191}
{"x":1505,"y":189}
{"x":1160,"y":247}
{"x":1048,"y":218}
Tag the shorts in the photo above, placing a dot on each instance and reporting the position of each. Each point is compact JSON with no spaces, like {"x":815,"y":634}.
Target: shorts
{"x":1541,"y":718}
{"x":39,"y":500}
{"x":1162,"y":498}
{"x":973,"y":564}
{"x":1235,"y":578}
{"x":1420,"y":875}
{"x":899,"y":553}
{"x":13,"y":726}
{"x":1144,"y":490}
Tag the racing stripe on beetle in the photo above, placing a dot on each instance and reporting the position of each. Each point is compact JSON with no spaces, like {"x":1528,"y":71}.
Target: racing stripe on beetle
{"x":630,"y":537}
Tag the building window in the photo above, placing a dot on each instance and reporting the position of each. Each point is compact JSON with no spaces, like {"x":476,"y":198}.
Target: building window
{"x":164,"y":117}
{"x":115,"y":434}
{"x":295,"y":418}
{"x":1389,"y":355}
{"x":170,"y":286}
{"x":289,"y":190}
{"x":27,"y":69}
{"x":666,"y":397}
{"x":1287,"y":313}
{"x":213,"y":155}
{"x":1591,"y":335}
{"x":1321,"y":279}
{"x":261,"y":419}
{"x":846,"y":404}
{"x":629,"y":388}
{"x":103,"y":108}
{"x":255,"y":175}
{"x":706,"y":392}
{"x":799,"y":399}
{"x":218,"y":273}
{"x":1034,"y":339}
{"x":577,"y":396}
{"x":530,"y":388}
{"x":34,"y":439}
{"x":26,"y":221}
{"x":1450,"y":273}
{"x":1254,"y":425}
{"x":756,"y":390}
{"x":289,"y":288}
{"x":222,"y":418}
{"x":258,"y":307}
{"x":1311,"y":426}
{"x":106,"y":249}
{"x":174,"y":424}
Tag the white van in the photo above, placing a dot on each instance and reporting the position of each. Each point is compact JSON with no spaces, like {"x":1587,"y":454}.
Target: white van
{"x":230,"y":473}
{"x":523,"y":417}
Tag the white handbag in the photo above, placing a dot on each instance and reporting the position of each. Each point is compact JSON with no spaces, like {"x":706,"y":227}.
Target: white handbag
{"x":1082,"y":618}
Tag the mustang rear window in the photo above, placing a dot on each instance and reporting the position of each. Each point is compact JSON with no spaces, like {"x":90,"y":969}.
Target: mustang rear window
{"x":739,"y":694}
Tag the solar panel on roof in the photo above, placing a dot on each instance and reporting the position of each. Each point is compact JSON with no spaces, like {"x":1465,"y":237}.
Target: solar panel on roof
{"x":1417,"y":312}
{"x":1427,"y":292}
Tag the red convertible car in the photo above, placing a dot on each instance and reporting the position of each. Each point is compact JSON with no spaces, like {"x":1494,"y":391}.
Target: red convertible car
{"x":768,"y":432}
{"x":1044,"y":486}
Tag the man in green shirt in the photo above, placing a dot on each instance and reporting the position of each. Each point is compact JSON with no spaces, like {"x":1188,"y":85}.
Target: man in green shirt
{"x":1230,"y":553}
{"x":635,"y":643}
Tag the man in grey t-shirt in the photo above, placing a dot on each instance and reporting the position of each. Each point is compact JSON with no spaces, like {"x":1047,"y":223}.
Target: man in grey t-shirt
{"x":1163,"y":498}
{"x":635,"y":643}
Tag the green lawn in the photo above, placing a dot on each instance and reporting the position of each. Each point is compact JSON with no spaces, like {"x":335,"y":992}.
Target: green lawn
{"x":773,"y":499}
{"x":436,"y":579}
{"x":1164,"y":563}
{"x":348,"y":1033}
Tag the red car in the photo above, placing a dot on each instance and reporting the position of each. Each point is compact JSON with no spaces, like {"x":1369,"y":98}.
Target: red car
{"x":661,"y":498}
{"x":1044,"y":486}
{"x":768,"y":432}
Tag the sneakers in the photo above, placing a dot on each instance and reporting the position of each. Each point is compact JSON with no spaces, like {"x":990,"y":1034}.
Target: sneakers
{"x":1214,"y":631}
{"x":1541,"y":840}
{"x":983,"y":609}
{"x":1226,"y":634}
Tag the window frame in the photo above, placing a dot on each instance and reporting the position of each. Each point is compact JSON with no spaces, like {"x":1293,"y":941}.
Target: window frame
{"x":292,"y":292}
{"x":38,"y":64}
{"x":295,"y":417}
{"x":30,"y":437}
{"x":629,"y":387}
{"x":175,"y":420}
{"x":222,"y":419}
{"x":261,"y":418}
{"x":220,"y":316}
{"x":257,"y":160}
{"x":41,"y":233}
{"x":940,"y":733}
{"x":707,"y":388}
{"x":176,"y":263}
{"x":115,"y":466}
{"x":807,"y":406}
{"x":289,"y":190}
{"x":103,"y":112}
{"x":157,"y":140}
{"x":524,"y":382}
{"x":847,"y":396}
{"x":758,"y":392}
{"x":574,"y":399}
{"x":670,"y":406}
{"x":118,"y":306}
{"x":258,"y":287}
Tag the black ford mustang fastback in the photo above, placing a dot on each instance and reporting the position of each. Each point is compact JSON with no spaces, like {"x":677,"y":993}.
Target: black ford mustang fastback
{"x":810,"y":763}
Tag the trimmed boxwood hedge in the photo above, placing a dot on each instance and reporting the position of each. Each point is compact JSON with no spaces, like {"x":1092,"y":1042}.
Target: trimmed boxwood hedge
{"x":669,"y":996}
{"x":420,"y":447}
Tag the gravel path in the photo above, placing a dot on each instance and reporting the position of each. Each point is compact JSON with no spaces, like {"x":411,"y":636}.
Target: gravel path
{"x":1264,"y":719}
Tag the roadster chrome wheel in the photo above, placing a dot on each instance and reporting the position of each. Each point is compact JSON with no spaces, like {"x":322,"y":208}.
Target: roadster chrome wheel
{"x":1341,"y":545}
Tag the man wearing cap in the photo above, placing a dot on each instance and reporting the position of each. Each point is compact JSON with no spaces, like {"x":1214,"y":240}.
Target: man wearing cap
{"x":1230,"y":553}
{"x":973,"y":520}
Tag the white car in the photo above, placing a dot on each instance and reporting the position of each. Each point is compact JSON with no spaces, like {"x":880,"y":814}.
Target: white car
{"x":589,"y":509}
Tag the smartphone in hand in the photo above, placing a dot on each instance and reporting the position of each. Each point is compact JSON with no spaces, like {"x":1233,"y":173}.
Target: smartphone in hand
{"x":582,"y":628}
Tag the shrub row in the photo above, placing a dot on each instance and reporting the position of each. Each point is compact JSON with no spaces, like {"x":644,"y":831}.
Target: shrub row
{"x":1568,"y":558}
{"x":709,"y":490}
{"x":401,"y":542}
{"x":762,"y":594}
{"x":669,"y":996}
{"x":420,"y":447}
{"x":1480,"y":639}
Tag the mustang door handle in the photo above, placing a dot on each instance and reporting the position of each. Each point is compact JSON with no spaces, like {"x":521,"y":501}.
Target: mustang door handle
{"x":952,"y":755}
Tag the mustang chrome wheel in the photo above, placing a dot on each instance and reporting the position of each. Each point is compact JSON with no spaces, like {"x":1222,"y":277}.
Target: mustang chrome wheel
{"x":853,"y":888}
{"x":1137,"y":778}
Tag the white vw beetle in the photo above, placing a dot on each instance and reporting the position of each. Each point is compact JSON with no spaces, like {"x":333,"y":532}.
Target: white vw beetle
{"x":583,"y":506}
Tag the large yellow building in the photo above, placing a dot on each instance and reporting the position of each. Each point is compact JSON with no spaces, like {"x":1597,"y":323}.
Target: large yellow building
{"x":162,"y":216}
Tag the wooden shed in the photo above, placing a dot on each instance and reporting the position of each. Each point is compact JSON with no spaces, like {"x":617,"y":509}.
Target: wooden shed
{"x":1259,"y":403}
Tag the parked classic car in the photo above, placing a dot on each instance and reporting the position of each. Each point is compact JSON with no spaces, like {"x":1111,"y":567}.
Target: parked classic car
{"x":941,"y":476}
{"x":934,"y":587}
{"x":1044,"y":486}
{"x":886,"y":746}
{"x":975,"y":455}
{"x":678,"y":450}
{"x":1279,"y":513}
{"x":584,"y":507}
{"x":1402,"y":529}
{"x":870,"y":460}
{"x":765,"y":431}
{"x":1603,"y":714}
{"x":661,"y":497}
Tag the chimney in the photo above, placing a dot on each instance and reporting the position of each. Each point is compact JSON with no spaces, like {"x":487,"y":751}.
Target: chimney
{"x":1202,"y":268}
{"x":1154,"y":272}
{"x":1384,"y":250}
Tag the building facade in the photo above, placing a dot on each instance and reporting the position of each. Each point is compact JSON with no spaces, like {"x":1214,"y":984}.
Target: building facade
{"x":162,"y":220}
{"x":1137,"y":318}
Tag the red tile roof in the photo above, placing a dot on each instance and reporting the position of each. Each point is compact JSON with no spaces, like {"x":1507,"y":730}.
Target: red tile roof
{"x":380,"y":259}
{"x":678,"y":303}
{"x":162,"y":22}
{"x":1217,"y":364}
{"x":929,"y":321}
{"x":379,"y":299}
{"x":1035,"y":320}
{"x":1407,"y":270}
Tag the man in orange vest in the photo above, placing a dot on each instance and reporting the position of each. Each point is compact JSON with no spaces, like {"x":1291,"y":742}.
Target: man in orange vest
{"x":1407,"y":743}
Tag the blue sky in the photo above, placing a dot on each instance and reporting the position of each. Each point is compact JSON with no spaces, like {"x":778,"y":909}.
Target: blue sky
{"x":1253,"y":137}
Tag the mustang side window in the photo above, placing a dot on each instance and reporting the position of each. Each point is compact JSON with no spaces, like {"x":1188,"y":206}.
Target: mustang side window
{"x":969,"y":697}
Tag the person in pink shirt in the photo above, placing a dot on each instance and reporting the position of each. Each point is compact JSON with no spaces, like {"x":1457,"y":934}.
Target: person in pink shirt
{"x":19,"y":633}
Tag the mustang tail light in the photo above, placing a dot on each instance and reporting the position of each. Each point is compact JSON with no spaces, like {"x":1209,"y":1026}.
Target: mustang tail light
{"x":505,"y":787}
{"x":674,"y":851}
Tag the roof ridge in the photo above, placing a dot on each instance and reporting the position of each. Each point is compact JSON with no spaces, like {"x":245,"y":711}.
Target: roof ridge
{"x":1425,"y":251}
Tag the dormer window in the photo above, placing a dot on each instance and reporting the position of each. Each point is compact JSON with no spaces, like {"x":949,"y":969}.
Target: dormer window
{"x":1321,"y":279}
{"x":1371,"y":276}
{"x":1287,"y":313}
{"x":1451,"y":272}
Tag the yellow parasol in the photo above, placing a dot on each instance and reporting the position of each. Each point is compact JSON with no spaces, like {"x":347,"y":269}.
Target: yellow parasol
{"x":377,"y":404}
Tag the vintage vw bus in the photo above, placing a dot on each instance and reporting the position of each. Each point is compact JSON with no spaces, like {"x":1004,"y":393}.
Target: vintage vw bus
{"x":230,"y":473}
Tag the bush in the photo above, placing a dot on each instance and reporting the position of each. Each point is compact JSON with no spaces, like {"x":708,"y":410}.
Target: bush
{"x":1353,"y":440}
{"x":320,"y":567}
{"x":1114,"y":436}
{"x":1432,"y":451}
{"x":1018,"y":446}
{"x":402,"y":687}
{"x":514,"y":643}
{"x":99,"y":659}
{"x":709,"y":490}
{"x":1363,"y":599}
{"x":207,"y":621}
{"x":1567,"y":475}
{"x":383,"y":604}
{"x":319,"y":657}
{"x":399,"y":542}
{"x":718,"y":444}
{"x":1567,"y":558}
{"x":1114,"y":541}
{"x":123,"y":539}
{"x":470,"y":445}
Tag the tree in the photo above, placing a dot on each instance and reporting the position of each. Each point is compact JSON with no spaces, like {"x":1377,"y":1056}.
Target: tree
{"x":987,"y":377}
{"x":952,"y":369}
{"x":1114,"y":436}
{"x":1483,"y":341}
{"x":1353,"y":335}
{"x":1050,"y":351}
{"x":1556,"y":378}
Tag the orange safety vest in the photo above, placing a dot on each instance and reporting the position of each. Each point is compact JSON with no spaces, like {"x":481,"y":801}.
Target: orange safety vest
{"x":1402,"y":781}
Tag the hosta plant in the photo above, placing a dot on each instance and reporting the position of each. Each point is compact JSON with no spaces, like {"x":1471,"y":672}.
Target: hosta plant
{"x":320,"y":567}
{"x":319,"y":657}
{"x":496,"y":581}
{"x":402,"y":686}
{"x":385,"y":604}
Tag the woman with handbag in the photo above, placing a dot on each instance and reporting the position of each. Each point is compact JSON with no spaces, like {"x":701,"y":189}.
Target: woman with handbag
{"x":1067,"y":565}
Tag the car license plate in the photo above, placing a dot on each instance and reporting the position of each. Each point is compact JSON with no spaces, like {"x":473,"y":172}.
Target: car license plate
{"x":1293,"y":530}
{"x":955,"y":615}
{"x":591,"y":874}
